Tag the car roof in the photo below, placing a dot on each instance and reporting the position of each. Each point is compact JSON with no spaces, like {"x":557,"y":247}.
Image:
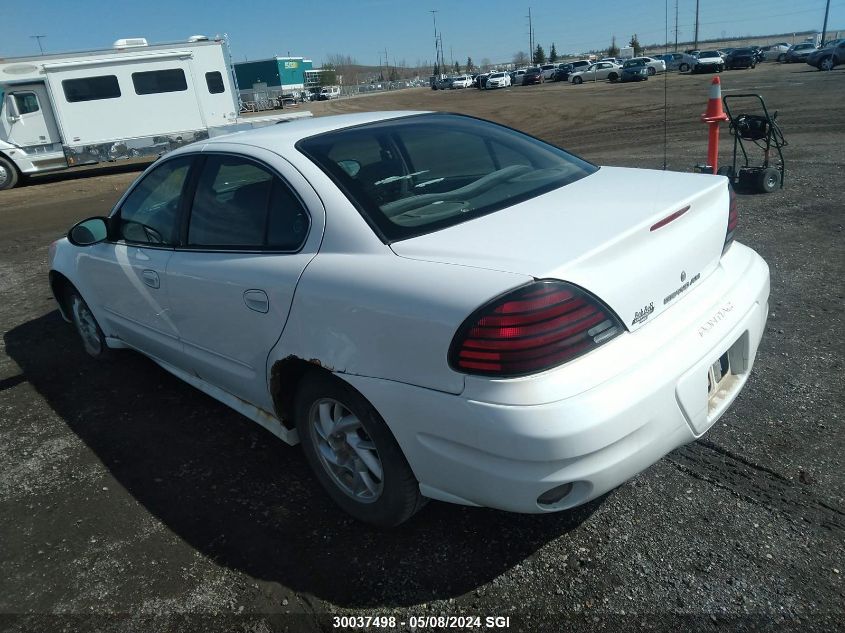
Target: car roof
{"x":288,"y":133}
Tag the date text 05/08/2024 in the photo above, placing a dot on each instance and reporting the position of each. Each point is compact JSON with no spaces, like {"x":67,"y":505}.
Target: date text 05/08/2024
{"x":358,"y":622}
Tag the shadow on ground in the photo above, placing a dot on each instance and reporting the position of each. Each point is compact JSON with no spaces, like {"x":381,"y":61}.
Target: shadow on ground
{"x":240,"y":496}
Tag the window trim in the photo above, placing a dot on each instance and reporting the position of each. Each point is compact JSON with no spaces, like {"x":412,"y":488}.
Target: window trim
{"x":187,"y":204}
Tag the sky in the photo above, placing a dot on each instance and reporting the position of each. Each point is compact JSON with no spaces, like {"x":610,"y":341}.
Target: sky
{"x":364,"y":29}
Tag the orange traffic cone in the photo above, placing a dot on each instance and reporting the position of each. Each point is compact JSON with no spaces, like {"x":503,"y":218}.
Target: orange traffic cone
{"x":714,"y":115}
{"x":714,"y":112}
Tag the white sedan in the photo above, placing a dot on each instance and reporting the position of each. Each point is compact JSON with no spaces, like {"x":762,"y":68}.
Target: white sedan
{"x":654,"y":66}
{"x":501,"y":324}
{"x":596,"y":72}
{"x":498,"y":80}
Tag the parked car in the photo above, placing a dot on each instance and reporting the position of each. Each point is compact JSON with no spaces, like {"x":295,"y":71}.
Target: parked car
{"x":682,"y":62}
{"x":461,"y":81}
{"x":740,"y":58}
{"x":444,"y":83}
{"x":516,"y":77}
{"x":634,"y":70}
{"x":595,"y":72}
{"x":548,"y":71}
{"x":653,"y":65}
{"x":828,"y":58}
{"x":566,"y":69}
{"x":498,"y":80}
{"x":462,"y":325}
{"x":481,"y":80}
{"x":799,"y":52}
{"x":709,"y":62}
{"x":776,"y":52}
{"x":533,"y":75}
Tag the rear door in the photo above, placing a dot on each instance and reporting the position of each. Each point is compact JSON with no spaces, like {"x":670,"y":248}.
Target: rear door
{"x":253,"y":225}
{"x":29,"y":120}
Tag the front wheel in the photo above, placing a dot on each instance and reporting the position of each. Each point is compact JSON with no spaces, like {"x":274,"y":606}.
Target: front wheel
{"x":577,"y":80}
{"x":652,"y":71}
{"x":613,"y":77}
{"x":353,"y":454}
{"x":683,"y":68}
{"x":87,"y":327}
{"x":827,"y":64}
{"x":8,"y":173}
{"x":782,"y":58}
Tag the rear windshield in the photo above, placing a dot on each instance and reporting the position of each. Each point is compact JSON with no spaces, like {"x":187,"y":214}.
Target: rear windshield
{"x":418,"y":174}
{"x":708,"y":54}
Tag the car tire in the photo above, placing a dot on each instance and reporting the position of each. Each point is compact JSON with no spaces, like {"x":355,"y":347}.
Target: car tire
{"x":827,"y":63}
{"x":8,"y":173}
{"x":577,"y":80}
{"x":93,"y":339}
{"x":613,"y":77}
{"x":361,"y":466}
{"x":768,"y":180}
{"x":782,"y":58}
{"x":683,"y":68}
{"x":652,"y":71}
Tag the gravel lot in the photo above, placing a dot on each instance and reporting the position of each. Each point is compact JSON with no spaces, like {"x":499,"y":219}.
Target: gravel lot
{"x":130,"y":501}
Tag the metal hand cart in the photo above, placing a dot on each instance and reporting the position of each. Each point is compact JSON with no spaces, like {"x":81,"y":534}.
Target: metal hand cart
{"x":762,"y":131}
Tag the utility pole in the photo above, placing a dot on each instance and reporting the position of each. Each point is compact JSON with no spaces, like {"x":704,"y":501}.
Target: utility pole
{"x":433,"y":13}
{"x":530,"y":38}
{"x":38,"y":38}
{"x":695,"y":45}
{"x":676,"y":26}
{"x":824,"y":28}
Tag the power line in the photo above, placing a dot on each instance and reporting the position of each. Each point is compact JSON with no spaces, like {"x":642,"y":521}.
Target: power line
{"x":39,"y":38}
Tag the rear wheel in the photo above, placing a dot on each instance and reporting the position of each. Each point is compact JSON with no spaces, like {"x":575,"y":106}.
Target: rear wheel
{"x":652,"y":71}
{"x":782,"y":58}
{"x":8,"y":173}
{"x":827,"y":63}
{"x":353,"y":454}
{"x":87,"y":327}
{"x":768,"y":180}
{"x":683,"y":68}
{"x":613,"y":77}
{"x":577,"y":80}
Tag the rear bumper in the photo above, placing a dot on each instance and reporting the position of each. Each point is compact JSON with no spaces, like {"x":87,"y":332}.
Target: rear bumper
{"x":593,"y":423}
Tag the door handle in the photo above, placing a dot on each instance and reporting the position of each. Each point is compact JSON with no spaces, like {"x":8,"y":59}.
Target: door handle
{"x":257,"y":300}
{"x":150,"y":278}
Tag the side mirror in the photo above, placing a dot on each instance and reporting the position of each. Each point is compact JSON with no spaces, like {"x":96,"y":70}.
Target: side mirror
{"x":88,"y":232}
{"x":11,"y":110}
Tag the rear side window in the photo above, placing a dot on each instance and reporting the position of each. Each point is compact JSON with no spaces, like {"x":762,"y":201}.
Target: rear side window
{"x":158,"y":81}
{"x":417,"y":174}
{"x":241,"y":205}
{"x":214,"y":81}
{"x":26,"y":102}
{"x":91,"y":88}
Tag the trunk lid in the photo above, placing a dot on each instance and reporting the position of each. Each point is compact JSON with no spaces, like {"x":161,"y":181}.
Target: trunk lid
{"x":597,"y":233}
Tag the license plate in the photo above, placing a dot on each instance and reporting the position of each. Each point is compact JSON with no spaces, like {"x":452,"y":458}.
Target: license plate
{"x":717,"y":372}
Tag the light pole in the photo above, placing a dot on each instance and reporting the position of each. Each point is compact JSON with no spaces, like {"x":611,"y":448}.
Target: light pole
{"x":824,"y":28}
{"x":433,"y":13}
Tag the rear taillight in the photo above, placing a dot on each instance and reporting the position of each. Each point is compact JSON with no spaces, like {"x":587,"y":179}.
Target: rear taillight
{"x":530,"y":329}
{"x":733,"y":220}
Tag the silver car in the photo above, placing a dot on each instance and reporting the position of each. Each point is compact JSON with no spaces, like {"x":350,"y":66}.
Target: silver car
{"x":681,"y":62}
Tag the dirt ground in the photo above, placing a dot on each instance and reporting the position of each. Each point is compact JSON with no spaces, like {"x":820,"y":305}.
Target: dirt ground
{"x":131,"y":502}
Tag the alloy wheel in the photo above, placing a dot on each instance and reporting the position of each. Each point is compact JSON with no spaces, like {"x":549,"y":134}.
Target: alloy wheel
{"x":86,"y":325}
{"x":345,"y":450}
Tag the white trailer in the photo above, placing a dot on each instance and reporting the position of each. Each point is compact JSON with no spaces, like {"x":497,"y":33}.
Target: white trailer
{"x":63,"y":110}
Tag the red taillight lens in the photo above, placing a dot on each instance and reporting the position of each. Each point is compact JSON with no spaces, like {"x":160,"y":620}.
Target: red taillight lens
{"x":533,"y":328}
{"x":733,"y":220}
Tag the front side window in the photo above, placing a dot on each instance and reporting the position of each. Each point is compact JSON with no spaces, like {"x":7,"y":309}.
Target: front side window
{"x":417,"y":174}
{"x":241,"y":205}
{"x":150,"y":215}
{"x":91,"y":88}
{"x":158,"y":81}
{"x":26,"y":102}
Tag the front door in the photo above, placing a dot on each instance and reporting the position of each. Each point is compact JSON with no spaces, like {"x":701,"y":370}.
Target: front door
{"x":253,"y":227}
{"x":28,"y":119}
{"x":129,"y":272}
